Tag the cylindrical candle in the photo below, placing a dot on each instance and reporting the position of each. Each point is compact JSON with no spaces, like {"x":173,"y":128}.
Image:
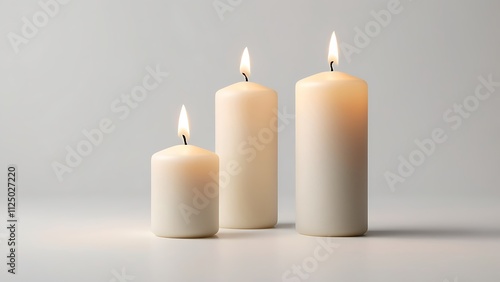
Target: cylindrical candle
{"x":184,"y":190}
{"x":331,"y":154}
{"x":246,"y":142}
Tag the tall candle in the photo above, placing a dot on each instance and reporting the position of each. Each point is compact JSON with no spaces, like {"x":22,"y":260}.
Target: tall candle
{"x":331,"y":152}
{"x":246,"y":142}
{"x":184,"y":194}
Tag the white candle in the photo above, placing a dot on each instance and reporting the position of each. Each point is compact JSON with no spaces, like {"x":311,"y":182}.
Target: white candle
{"x":331,"y":153}
{"x":246,"y":142}
{"x":184,"y":191}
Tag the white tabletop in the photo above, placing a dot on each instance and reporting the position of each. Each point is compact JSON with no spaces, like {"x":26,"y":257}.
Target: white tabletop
{"x":410,"y":239}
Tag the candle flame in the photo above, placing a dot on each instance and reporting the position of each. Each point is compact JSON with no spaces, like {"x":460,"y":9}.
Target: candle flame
{"x":333,"y":52}
{"x":245,"y":63}
{"x":183,"y":129}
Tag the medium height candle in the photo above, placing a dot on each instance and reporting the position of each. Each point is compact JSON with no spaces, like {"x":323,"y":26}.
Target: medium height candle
{"x":184,"y":195}
{"x":246,"y":142}
{"x":331,"y":152}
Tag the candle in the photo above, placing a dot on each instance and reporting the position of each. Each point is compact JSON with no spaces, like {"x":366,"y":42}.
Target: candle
{"x":246,"y":142}
{"x":331,"y":152}
{"x":184,"y":193}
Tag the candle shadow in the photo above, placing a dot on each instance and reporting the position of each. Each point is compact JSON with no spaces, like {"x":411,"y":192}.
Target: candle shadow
{"x":185,"y":238}
{"x":240,"y":234}
{"x":285,"y":225}
{"x":437,"y":233}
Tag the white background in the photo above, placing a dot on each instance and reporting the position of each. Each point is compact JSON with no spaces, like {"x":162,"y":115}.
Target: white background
{"x":441,"y":223}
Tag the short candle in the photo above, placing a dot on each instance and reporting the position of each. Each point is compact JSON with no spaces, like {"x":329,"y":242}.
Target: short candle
{"x":184,"y":191}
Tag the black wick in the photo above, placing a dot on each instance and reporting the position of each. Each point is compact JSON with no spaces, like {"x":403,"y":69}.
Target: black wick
{"x":246,"y":78}
{"x":331,"y":66}
{"x":184,"y":137}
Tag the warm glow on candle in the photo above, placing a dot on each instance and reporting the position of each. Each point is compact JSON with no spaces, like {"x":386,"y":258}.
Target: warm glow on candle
{"x":245,"y":63}
{"x":183,"y":129}
{"x":333,"y":52}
